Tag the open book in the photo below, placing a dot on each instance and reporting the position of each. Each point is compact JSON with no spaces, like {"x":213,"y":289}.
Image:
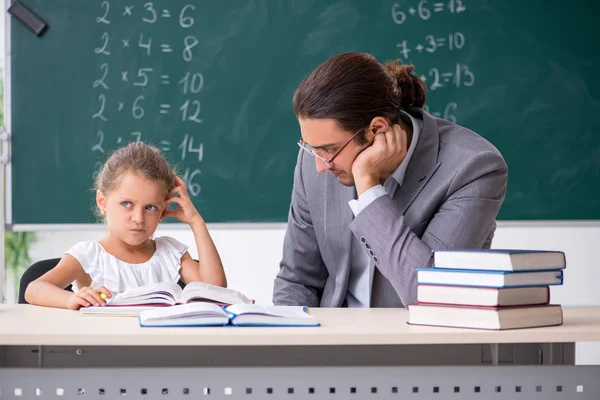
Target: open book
{"x":133,"y":301}
{"x":207,"y":314}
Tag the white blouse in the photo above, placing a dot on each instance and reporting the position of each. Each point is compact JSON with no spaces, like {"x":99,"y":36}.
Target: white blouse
{"x":118,"y":276}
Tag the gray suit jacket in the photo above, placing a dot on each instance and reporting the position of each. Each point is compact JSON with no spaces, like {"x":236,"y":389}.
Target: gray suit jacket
{"x":454,"y":186}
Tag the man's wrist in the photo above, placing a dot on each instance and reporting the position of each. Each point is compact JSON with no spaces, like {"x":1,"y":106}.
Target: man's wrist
{"x":364,"y":183}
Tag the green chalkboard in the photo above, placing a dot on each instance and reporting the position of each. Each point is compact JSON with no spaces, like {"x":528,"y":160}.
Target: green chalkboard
{"x":211,"y":83}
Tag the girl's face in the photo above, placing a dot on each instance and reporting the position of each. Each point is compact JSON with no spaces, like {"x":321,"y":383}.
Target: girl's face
{"x":133,"y":209}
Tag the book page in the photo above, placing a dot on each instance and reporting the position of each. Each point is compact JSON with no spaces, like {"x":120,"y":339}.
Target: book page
{"x":183,"y":311}
{"x":158,"y":293}
{"x":202,"y":291}
{"x":274,"y":311}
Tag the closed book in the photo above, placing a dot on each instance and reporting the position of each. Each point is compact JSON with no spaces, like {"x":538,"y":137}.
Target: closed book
{"x":493,"y":318}
{"x":500,"y":260}
{"x":485,"y":297}
{"x":208,"y":314}
{"x":498,"y":279}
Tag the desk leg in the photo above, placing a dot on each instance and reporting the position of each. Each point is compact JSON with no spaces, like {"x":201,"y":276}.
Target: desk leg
{"x":556,"y":353}
{"x":40,"y":356}
{"x":494,"y":353}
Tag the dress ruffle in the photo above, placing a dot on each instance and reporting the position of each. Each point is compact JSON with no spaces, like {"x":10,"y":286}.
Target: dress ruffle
{"x":118,"y":276}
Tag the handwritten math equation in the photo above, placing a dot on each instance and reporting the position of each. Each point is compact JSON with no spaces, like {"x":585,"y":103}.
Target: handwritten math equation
{"x":145,"y":79}
{"x":425,"y":10}
{"x":431,"y":44}
{"x":459,"y":75}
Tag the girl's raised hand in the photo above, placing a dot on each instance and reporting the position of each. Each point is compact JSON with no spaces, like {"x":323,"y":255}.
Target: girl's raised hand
{"x":185,"y":210}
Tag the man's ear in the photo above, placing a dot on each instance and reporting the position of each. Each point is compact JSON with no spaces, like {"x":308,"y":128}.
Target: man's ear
{"x":377,"y":125}
{"x":101,"y":201}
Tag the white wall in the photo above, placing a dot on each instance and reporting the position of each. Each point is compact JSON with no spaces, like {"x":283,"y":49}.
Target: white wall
{"x":251,"y":259}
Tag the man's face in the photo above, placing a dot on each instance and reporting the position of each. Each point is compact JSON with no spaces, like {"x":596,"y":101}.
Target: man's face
{"x":326,"y":138}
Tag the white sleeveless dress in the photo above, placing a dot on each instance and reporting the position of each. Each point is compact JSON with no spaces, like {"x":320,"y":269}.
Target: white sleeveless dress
{"x":118,"y":276}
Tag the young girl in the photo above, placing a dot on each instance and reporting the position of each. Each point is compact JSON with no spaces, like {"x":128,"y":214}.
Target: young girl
{"x":133,"y":193}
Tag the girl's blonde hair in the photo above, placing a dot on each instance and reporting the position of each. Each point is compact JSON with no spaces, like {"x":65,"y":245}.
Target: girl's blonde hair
{"x":139,"y":158}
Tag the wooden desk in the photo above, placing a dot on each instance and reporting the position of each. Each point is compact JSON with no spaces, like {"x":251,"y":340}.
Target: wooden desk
{"x":374,"y":348}
{"x":31,"y":325}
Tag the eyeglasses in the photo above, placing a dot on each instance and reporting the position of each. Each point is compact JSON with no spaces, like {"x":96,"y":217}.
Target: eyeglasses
{"x":315,"y":152}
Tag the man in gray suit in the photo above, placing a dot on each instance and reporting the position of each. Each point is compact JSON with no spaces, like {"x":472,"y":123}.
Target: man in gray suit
{"x":391,"y":184}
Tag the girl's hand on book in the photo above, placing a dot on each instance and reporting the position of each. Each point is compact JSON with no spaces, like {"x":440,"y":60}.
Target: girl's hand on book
{"x":185,"y":210}
{"x":88,"y":296}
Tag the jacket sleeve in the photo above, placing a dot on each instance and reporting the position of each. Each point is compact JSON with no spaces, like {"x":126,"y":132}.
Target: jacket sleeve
{"x":462,"y":221}
{"x":302,"y":273}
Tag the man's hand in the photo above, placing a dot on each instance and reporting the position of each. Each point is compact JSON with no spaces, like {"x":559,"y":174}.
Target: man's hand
{"x":377,"y":162}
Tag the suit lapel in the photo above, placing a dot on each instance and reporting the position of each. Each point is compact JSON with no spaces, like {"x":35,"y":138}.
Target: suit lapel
{"x":423,"y":164}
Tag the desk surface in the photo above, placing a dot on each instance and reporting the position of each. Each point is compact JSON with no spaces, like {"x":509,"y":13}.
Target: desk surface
{"x":33,"y":325}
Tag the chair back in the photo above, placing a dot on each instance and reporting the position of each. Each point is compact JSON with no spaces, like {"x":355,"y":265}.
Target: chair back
{"x":33,"y":272}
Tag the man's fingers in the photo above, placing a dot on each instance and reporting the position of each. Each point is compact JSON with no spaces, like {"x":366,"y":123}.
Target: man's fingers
{"x":401,"y":137}
{"x":380,"y":137}
{"x":394,"y":137}
{"x":404,"y":138}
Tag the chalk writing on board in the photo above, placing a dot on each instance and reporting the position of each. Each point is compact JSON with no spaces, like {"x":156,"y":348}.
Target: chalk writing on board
{"x":100,"y":82}
{"x":103,"y":19}
{"x":425,"y":10}
{"x":137,"y":99}
{"x":436,"y":77}
{"x":461,"y":76}
{"x":447,"y":113}
{"x":430,"y":44}
{"x":193,"y":84}
{"x":142,"y":77}
{"x":100,"y":112}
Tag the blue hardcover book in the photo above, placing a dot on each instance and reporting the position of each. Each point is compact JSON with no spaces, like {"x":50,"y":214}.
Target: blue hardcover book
{"x":496,"y":279}
{"x":208,"y":314}
{"x":500,"y":259}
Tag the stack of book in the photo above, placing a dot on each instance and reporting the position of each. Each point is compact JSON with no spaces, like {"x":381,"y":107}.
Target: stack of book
{"x":489,"y":289}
